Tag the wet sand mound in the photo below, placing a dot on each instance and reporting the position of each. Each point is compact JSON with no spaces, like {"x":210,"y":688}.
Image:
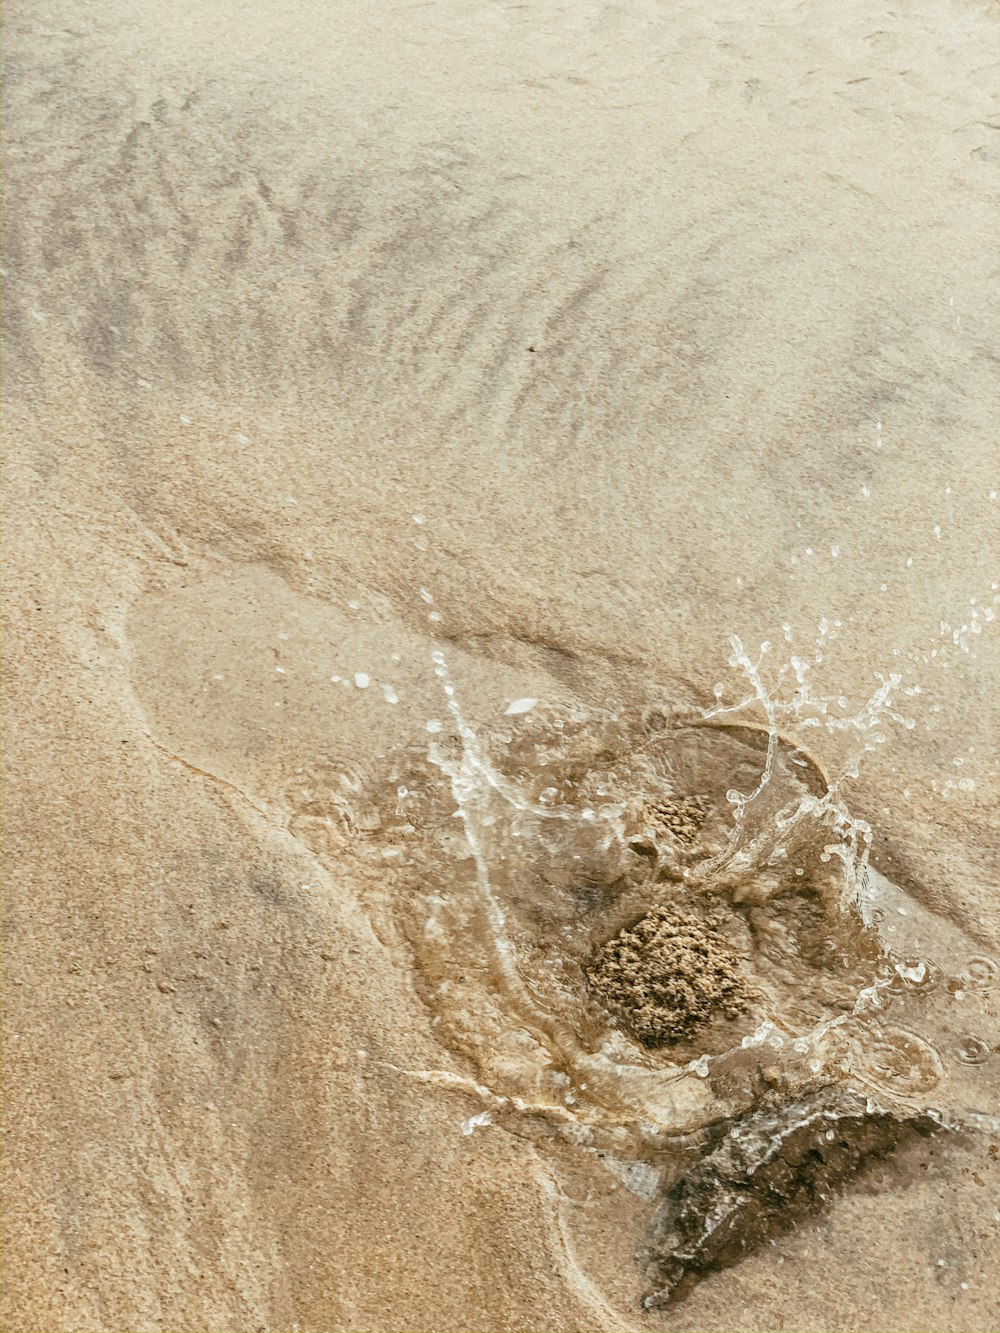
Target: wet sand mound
{"x":669,"y":974}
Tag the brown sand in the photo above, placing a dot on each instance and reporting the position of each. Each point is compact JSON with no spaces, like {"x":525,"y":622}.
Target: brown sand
{"x":667,"y":322}
{"x":668,"y":974}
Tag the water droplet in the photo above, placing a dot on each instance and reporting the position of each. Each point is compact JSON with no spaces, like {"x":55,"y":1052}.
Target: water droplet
{"x":897,"y":1061}
{"x":914,"y":974}
{"x":980,"y":973}
{"x":520,"y":706}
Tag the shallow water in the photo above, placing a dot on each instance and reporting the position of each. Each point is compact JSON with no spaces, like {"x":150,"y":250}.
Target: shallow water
{"x":514,"y":851}
{"x":544,"y":841}
{"x":509,"y":852}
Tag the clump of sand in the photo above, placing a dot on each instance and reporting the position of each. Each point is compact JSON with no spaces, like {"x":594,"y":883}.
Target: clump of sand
{"x":681,"y":816}
{"x":669,"y":974}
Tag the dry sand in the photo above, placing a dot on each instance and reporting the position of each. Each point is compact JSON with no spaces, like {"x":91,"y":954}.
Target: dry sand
{"x":667,"y":322}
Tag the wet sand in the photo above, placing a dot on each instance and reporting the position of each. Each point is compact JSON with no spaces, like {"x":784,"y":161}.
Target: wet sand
{"x":618,"y":331}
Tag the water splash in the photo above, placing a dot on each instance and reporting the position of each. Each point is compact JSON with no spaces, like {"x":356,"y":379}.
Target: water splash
{"x":575,"y":823}
{"x":520,"y":851}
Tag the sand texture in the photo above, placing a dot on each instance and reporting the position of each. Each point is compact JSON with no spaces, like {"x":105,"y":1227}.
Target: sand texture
{"x":567,"y":341}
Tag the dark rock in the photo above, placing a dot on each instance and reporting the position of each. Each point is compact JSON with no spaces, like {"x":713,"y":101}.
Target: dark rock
{"x":772,"y":1170}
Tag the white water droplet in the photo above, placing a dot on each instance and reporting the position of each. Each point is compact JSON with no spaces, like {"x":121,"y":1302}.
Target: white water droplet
{"x":476,"y":1122}
{"x":520,"y":706}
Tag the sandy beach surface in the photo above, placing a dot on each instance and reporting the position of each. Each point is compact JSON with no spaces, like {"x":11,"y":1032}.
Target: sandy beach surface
{"x":568,"y":340}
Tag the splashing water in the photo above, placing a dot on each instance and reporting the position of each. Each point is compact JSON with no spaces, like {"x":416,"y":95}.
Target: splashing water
{"x":832,"y":945}
{"x":526,"y":849}
{"x":641,"y":924}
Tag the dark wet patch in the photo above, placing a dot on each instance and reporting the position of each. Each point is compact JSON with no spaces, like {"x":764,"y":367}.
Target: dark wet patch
{"x":770,"y":1172}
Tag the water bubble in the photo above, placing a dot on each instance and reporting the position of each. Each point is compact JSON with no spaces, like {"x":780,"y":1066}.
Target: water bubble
{"x":980,"y":973}
{"x":974,"y":1051}
{"x":897,"y":1062}
{"x":919,"y":974}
